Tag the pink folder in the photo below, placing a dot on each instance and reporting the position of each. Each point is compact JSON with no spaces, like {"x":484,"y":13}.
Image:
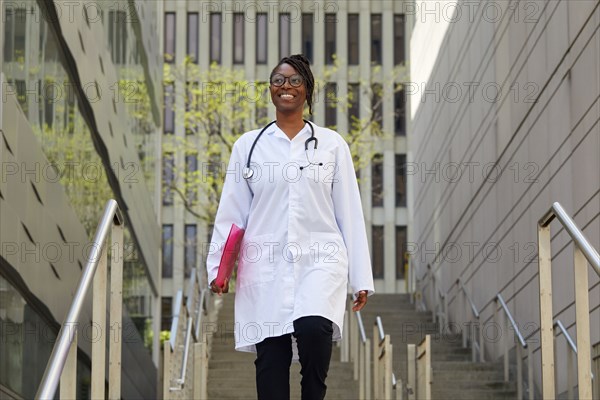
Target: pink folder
{"x":230,"y":254}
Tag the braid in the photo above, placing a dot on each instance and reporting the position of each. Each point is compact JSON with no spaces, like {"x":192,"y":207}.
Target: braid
{"x":301,"y":64}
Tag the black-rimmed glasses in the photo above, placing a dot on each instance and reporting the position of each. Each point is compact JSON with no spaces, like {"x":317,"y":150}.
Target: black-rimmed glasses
{"x":294,"y":80}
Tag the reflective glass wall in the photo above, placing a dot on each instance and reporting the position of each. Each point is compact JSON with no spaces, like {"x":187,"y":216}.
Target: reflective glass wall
{"x":37,"y":71}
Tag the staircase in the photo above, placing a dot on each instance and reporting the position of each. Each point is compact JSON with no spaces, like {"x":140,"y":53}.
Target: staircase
{"x":454,"y":375}
{"x":231,"y":374}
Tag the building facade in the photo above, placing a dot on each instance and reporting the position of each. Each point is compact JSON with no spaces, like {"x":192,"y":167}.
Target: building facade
{"x":504,"y":122}
{"x":80,"y":119}
{"x":353,"y":46}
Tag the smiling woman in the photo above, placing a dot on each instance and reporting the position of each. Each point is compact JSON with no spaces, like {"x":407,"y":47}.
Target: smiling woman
{"x":304,"y":240}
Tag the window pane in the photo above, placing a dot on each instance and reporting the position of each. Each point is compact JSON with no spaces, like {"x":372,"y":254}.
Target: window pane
{"x":400,"y":113}
{"x":169,"y":101}
{"x":377,"y":103}
{"x":354,"y":109}
{"x":330,"y":27}
{"x":376,"y":38}
{"x":238,"y":38}
{"x":400,"y":180}
{"x":400,"y":251}
{"x":377,"y":180}
{"x":261,"y":38}
{"x":378,"y":250}
{"x":192,"y":39}
{"x":166,"y":313}
{"x":215,"y":38}
{"x":169,"y":44}
{"x":399,"y":26}
{"x":353,"y":35}
{"x":190,"y":249}
{"x":168,"y":176}
{"x":307,"y":35}
{"x":167,"y":251}
{"x":284,"y":35}
{"x":191,"y":172}
{"x":331,"y":104}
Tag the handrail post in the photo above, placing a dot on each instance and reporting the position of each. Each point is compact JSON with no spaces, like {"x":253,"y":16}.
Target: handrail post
{"x":530,"y":373}
{"x":116,"y":313}
{"x":520,"y":372}
{"x":99,"y":321}
{"x":376,"y":377}
{"x":582,"y":312}
{"x":68,"y":380}
{"x":546,"y":315}
{"x":411,"y":370}
{"x":367,"y":367}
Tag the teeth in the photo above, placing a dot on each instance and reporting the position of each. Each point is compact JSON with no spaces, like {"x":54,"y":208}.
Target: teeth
{"x":287,"y":96}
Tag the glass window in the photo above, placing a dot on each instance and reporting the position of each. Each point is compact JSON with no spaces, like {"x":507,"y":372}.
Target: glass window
{"x":353,"y":42}
{"x":191,"y":177}
{"x":117,"y":36}
{"x":169,"y":44}
{"x":307,"y":35}
{"x":400,"y":160}
{"x":168,"y":178}
{"x":377,"y":180}
{"x":166,"y":306}
{"x":192,"y":36}
{"x":330,"y":37}
{"x":261,"y":38}
{"x":399,"y":27}
{"x":400,"y":113}
{"x":215,"y":38}
{"x":377,"y":251}
{"x":169,"y":102}
{"x":400,"y":251}
{"x":238,"y":38}
{"x":15,"y":23}
{"x":190,"y":248}
{"x":377,"y":103}
{"x":354,"y":105}
{"x":284,"y":35}
{"x":167,"y":251}
{"x":331,"y":104}
{"x":376,"y":39}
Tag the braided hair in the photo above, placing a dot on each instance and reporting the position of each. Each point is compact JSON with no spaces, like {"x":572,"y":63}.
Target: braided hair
{"x":301,"y":64}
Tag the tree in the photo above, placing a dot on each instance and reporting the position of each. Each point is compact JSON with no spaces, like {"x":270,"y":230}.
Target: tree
{"x":218,"y":105}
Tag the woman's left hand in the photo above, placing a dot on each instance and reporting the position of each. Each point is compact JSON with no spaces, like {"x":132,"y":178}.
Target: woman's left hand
{"x":361,"y":300}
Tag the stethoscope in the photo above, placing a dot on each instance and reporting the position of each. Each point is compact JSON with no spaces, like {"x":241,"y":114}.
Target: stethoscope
{"x":248,"y":172}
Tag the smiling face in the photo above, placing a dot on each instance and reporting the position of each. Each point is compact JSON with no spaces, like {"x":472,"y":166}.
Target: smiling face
{"x":287,"y":98}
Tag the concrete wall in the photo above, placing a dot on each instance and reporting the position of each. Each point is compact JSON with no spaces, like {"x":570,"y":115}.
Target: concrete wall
{"x":487,"y":163}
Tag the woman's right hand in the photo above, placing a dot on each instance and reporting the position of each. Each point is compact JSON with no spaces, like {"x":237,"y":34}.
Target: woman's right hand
{"x":219,"y":290}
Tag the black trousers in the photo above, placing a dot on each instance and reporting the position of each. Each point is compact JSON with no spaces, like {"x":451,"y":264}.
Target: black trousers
{"x":274,"y":356}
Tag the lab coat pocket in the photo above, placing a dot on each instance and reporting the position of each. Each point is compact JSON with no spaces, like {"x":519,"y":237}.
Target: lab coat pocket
{"x":257,"y":261}
{"x":328,"y":253}
{"x":319,"y":169}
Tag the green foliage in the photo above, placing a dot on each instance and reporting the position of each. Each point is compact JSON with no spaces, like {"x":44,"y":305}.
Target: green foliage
{"x":219,"y":104}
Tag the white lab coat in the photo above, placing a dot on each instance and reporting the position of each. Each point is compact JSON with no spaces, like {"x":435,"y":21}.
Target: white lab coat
{"x":305,"y":236}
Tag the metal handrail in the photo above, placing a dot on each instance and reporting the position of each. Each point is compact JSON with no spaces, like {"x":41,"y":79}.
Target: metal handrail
{"x":512,"y":321}
{"x":190,"y":330}
{"x":54,"y":368}
{"x":379,"y":324}
{"x":568,"y":338}
{"x":361,"y":327}
{"x":175,"y":321}
{"x":464,"y":290}
{"x":578,"y":237}
{"x":583,"y":253}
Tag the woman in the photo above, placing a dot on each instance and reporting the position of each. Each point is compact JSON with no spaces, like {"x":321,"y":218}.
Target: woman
{"x":293,"y":187}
